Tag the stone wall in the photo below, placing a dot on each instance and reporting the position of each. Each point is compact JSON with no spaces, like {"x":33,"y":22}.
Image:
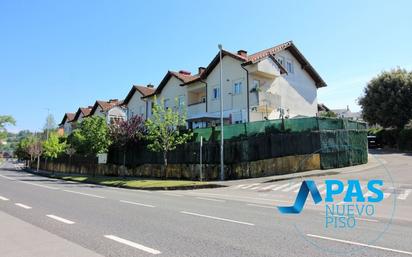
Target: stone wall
{"x":260,"y":168}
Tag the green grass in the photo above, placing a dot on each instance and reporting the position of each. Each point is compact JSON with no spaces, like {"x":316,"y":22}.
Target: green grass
{"x":134,"y":183}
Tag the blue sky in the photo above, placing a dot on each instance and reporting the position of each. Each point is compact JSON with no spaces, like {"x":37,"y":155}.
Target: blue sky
{"x":65,"y":54}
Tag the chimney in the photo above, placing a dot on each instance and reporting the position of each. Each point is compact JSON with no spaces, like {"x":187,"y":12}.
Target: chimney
{"x":184,"y":72}
{"x":90,"y":106}
{"x":113,"y":100}
{"x":201,"y":70}
{"x":150,"y":86}
{"x":242,"y":53}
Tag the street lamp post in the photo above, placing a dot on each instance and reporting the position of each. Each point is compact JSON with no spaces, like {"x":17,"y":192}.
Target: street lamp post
{"x":222,"y":168}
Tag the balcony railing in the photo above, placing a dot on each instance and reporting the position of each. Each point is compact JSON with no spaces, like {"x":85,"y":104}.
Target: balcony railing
{"x":196,"y":108}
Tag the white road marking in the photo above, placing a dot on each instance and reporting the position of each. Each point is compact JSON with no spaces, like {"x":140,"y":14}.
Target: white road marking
{"x":210,"y":199}
{"x":85,"y":194}
{"x":132,"y":244}
{"x":280,"y":187}
{"x":297,"y":185}
{"x":29,"y":183}
{"x":238,"y":186}
{"x":359,"y":244}
{"x":261,"y":206}
{"x":4,"y":198}
{"x":240,"y":197}
{"x":23,"y":206}
{"x":172,"y":194}
{"x":268,"y":187}
{"x":38,"y":185}
{"x":60,"y":219}
{"x":217,"y":218}
{"x":140,"y":204}
{"x":405,"y":194}
{"x":250,"y":185}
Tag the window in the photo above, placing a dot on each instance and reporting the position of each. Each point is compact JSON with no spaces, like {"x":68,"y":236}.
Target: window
{"x":181,"y":101}
{"x":166,"y":103}
{"x":237,"y":88}
{"x":216,"y":93}
{"x":203,"y":100}
{"x":281,"y":60}
{"x":289,"y":66}
{"x":256,"y":85}
{"x":141,"y":109}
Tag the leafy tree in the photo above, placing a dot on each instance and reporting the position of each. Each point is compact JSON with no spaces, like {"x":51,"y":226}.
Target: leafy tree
{"x":77,"y":141}
{"x":387,"y":99}
{"x":53,"y":147}
{"x":22,"y":150}
{"x":163,"y":131}
{"x":328,"y":114}
{"x":4,"y":120}
{"x":92,"y":137}
{"x":123,"y":132}
{"x":35,"y":149}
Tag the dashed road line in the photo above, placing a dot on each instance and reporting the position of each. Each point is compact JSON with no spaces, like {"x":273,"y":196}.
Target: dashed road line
{"x":217,"y":218}
{"x":359,"y":244}
{"x":139,"y":204}
{"x":66,"y":221}
{"x":133,"y":244}
{"x":211,"y":199}
{"x":85,"y":194}
{"x":23,"y":206}
{"x":172,"y":194}
{"x":261,"y":206}
{"x":250,"y":185}
{"x":4,"y":198}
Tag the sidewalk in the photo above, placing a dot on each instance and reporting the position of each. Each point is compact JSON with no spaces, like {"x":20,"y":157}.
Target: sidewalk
{"x":21,"y":239}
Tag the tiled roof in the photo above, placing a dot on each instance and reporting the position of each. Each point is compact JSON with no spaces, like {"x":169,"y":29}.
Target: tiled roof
{"x":68,"y":117}
{"x":144,"y":90}
{"x":86,"y":111}
{"x":265,"y":53}
{"x":107,"y":105}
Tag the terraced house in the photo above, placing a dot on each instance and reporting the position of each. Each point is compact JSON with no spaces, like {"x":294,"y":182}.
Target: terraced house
{"x":273,"y":83}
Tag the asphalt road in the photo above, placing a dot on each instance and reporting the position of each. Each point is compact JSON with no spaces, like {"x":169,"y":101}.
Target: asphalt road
{"x":240,"y":220}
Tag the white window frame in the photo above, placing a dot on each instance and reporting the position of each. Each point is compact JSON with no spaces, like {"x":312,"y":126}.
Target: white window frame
{"x":237,"y":88}
{"x":217,"y":96}
{"x":290,"y":69}
{"x":281,"y":60}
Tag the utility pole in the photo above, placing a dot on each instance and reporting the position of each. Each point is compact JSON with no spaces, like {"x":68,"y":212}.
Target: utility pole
{"x":222,"y":168}
{"x":47,"y":123}
{"x":201,"y":157}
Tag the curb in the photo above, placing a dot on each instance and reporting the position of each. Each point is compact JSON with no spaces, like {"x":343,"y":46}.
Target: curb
{"x":128,"y":187}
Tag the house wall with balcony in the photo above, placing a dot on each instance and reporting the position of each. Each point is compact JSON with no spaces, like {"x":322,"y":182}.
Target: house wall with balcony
{"x":295,"y":92}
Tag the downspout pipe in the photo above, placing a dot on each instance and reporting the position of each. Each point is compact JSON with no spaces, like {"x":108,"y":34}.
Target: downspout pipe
{"x":247,"y":89}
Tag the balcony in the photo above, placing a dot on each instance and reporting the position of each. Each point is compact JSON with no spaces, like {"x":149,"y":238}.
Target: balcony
{"x":196,"y":109}
{"x":264,"y":69}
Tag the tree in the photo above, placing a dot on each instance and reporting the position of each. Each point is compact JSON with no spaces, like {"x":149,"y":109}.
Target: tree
{"x":163,"y":131}
{"x":387,"y":99}
{"x":92,"y":137}
{"x":123,"y":132}
{"x":328,"y":114}
{"x":52,"y":147}
{"x":5,"y":120}
{"x":49,"y":125}
{"x":35,"y":149}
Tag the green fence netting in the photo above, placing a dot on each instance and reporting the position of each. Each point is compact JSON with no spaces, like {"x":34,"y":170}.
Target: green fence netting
{"x":276,"y":126}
